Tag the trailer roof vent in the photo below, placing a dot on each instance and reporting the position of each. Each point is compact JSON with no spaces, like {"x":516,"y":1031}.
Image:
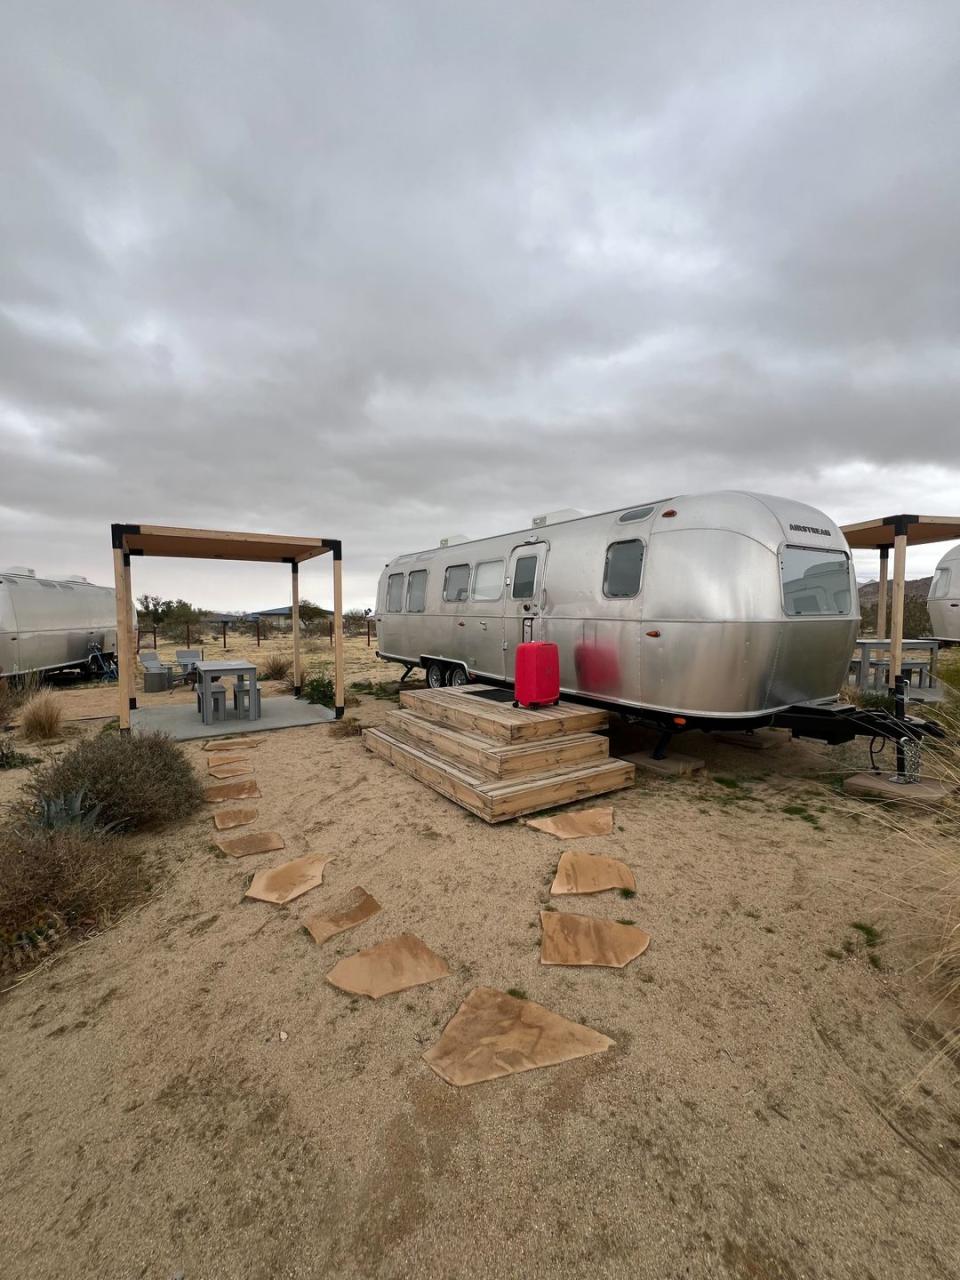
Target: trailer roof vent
{"x":75,"y":577}
{"x":21,"y":571}
{"x":637,"y":513}
{"x":555,"y":517}
{"x":454,"y":540}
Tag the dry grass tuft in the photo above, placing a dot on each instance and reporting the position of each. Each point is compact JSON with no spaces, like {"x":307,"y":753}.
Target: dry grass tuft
{"x":348,"y":728}
{"x":53,"y":883}
{"x":276,"y":666}
{"x":41,"y":719}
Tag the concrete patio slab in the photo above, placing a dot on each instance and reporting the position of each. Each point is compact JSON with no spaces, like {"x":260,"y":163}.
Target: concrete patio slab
{"x":673,"y":765}
{"x":182,"y":721}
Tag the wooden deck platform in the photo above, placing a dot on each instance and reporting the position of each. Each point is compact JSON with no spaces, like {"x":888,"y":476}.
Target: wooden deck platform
{"x":496,"y":760}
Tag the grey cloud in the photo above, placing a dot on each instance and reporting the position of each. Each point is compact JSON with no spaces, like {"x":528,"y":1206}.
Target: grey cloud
{"x":393,"y":271}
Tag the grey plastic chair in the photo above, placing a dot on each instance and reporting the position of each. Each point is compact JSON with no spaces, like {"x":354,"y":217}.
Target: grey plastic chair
{"x":189,"y":657}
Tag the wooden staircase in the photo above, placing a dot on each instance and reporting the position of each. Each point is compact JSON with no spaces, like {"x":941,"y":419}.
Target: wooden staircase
{"x":496,"y":760}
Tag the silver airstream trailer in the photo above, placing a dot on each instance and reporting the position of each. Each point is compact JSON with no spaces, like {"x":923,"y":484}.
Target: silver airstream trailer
{"x":697,"y":610}
{"x":49,"y":624}
{"x":943,"y":602}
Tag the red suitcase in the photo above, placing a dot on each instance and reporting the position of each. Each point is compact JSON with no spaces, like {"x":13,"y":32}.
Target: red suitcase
{"x":536,"y":681}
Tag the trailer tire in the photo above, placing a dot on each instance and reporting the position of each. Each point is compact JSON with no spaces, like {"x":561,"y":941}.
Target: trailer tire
{"x":437,"y":675}
{"x":458,"y":676}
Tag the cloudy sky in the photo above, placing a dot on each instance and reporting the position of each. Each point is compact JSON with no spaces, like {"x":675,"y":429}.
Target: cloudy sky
{"x":390,"y":271}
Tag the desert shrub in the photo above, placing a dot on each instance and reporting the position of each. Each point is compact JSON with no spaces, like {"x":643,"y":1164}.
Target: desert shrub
{"x":11,"y":758}
{"x":318,"y":688}
{"x":276,"y":667}
{"x":52,"y":882}
{"x":138,"y":781}
{"x":41,"y":718}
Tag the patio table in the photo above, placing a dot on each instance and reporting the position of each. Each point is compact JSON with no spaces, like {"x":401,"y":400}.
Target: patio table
{"x":864,"y":651}
{"x":205,"y":673}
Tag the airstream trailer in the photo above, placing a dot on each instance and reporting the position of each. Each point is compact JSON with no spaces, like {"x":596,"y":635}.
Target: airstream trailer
{"x":943,"y":602}
{"x":695,"y":611}
{"x":49,"y":624}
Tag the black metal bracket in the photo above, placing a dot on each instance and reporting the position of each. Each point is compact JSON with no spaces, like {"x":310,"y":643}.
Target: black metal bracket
{"x":901,"y":524}
{"x":336,"y":546}
{"x":118,"y":531}
{"x":338,"y":713}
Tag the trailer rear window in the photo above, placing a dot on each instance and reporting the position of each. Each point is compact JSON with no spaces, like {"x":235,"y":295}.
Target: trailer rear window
{"x":395,"y":593}
{"x":456,"y":582}
{"x":815,"y":583}
{"x":416,"y":591}
{"x":623,"y":569}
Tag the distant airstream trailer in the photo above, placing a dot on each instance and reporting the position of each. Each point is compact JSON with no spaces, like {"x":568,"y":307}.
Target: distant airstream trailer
{"x":943,"y":602}
{"x":694,"y":610}
{"x":49,"y":624}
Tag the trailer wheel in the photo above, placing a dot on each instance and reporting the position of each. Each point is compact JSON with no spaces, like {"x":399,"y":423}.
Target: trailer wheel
{"x":458,"y":676}
{"x":436,"y":675}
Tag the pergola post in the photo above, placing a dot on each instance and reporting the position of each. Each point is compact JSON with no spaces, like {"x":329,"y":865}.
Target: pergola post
{"x":896,"y":611}
{"x":338,"y":629}
{"x":121,"y":583}
{"x":882,"y":594}
{"x":224,"y":623}
{"x":295,"y":625}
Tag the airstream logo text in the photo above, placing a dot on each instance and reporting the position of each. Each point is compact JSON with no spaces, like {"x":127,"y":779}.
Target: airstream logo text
{"x":807,"y":528}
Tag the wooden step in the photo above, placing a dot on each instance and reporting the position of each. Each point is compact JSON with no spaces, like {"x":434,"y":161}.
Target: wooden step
{"x":498,"y":759}
{"x":462,"y":709}
{"x":498,"y":799}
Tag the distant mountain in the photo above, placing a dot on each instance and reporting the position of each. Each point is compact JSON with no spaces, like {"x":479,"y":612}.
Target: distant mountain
{"x":914,"y":589}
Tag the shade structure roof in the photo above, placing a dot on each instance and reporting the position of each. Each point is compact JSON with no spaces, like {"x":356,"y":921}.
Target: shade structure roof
{"x":874,"y":534}
{"x":218,"y":544}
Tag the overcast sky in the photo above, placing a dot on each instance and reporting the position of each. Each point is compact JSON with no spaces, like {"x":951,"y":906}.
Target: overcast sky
{"x":391,"y":271}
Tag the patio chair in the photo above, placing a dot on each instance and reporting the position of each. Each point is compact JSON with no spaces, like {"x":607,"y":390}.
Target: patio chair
{"x":159,"y":675}
{"x":188,"y":658}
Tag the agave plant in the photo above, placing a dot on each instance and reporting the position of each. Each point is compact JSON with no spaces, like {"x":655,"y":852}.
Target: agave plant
{"x":75,"y":810}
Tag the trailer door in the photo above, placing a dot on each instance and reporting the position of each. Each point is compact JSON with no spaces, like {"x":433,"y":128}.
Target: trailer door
{"x":523,"y":600}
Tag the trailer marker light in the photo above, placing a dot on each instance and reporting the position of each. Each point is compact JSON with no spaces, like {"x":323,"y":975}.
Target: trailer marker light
{"x":679,"y":719}
{"x":667,"y":515}
{"x":654,"y":634}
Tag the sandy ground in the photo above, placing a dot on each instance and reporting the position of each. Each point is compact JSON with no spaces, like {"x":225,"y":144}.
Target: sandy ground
{"x":749,"y":1123}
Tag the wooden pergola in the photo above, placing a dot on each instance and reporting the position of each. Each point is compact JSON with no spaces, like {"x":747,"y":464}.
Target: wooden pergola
{"x":213,"y":544}
{"x":898,"y":532}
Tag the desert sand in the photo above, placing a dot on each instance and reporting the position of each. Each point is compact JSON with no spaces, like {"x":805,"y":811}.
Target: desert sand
{"x":748,"y":1122}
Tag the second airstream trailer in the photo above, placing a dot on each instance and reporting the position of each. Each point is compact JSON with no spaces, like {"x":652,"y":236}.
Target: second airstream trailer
{"x":698,"y":609}
{"x":50,"y":624}
{"x":943,"y":602}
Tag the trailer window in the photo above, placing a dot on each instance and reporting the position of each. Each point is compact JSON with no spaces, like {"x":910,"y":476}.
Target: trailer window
{"x":488,"y":580}
{"x":815,"y":583}
{"x":524,"y":578}
{"x":623,"y":569}
{"x":941,"y":585}
{"x":416,"y":590}
{"x":455,"y":583}
{"x":395,"y":593}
